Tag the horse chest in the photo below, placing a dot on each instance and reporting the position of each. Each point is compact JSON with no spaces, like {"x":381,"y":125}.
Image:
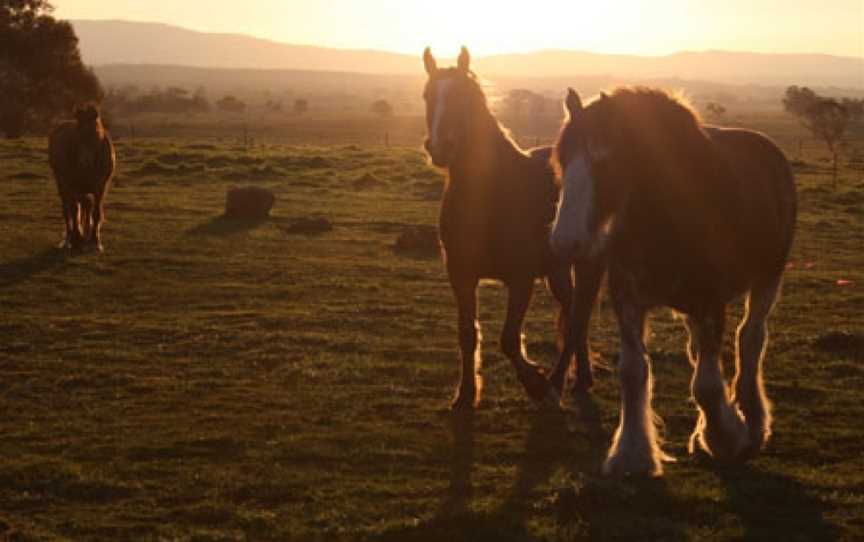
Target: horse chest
{"x":488,"y":239}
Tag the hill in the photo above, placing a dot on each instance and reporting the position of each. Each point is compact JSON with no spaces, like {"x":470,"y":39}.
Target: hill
{"x":125,"y":42}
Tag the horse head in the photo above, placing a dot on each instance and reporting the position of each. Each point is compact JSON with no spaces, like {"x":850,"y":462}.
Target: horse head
{"x":90,"y":134}
{"x":449,"y":96}
{"x":586,"y":162}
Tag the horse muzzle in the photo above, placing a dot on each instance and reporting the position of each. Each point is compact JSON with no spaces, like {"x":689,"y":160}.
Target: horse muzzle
{"x":441,"y":154}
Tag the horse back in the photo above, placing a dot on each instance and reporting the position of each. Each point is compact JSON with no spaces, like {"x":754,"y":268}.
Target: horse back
{"x":760,"y":182}
{"x":498,"y":225}
{"x":63,"y":153}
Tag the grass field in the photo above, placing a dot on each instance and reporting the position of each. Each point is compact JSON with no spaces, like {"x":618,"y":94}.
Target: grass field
{"x":214,"y":380}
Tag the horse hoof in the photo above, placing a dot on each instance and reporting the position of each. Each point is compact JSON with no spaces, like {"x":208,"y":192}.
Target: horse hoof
{"x":465,"y":401}
{"x":642,"y":465}
{"x":536,"y":385}
{"x":582,"y":386}
{"x":552,"y":401}
{"x":727,"y":439}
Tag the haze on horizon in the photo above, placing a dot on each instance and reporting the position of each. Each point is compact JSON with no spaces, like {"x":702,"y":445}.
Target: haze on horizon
{"x":406,"y":26}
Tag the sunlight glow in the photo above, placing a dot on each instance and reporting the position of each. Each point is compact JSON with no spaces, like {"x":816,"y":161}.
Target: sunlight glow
{"x":489,"y":27}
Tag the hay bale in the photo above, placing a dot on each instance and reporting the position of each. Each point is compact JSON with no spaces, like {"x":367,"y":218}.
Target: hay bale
{"x":248,"y":203}
{"x":418,"y":241}
{"x":367,"y":182}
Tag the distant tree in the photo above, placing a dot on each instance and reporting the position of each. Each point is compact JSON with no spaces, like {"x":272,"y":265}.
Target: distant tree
{"x":854,"y":107}
{"x":826,"y":118}
{"x":301,"y":106}
{"x":798,"y":100}
{"x":41,"y":72}
{"x":382,"y":108}
{"x":173,"y":100}
{"x":231,"y":104}
{"x":715,"y":110}
{"x":274,"y":106}
{"x":521,"y":102}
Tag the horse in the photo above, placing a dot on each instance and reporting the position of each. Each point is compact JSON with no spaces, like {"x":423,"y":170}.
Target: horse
{"x":495,"y":217}
{"x":82,"y":158}
{"x":690,"y":217}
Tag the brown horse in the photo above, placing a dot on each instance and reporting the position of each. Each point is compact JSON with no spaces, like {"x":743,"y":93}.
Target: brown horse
{"x":690,"y":217}
{"x":496,"y":214}
{"x":83,"y":161}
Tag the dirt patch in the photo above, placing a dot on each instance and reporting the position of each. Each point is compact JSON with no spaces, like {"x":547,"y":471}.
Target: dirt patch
{"x":25,"y":176}
{"x":308,"y":226}
{"x":418,"y":241}
{"x":368,"y":182}
{"x":842,"y":342}
{"x":152,"y":167}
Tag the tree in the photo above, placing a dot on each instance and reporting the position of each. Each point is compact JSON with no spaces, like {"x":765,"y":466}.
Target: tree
{"x":826,"y":118}
{"x":521,"y":102}
{"x":274,"y":106}
{"x":231,"y":104}
{"x":41,"y":71}
{"x":382,"y":108}
{"x":300,"y":106}
{"x":797,"y":100}
{"x":715,"y":110}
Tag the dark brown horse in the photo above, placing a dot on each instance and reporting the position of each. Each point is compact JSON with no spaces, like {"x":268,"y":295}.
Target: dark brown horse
{"x":690,"y":217}
{"x":83,"y":161}
{"x":496,"y":214}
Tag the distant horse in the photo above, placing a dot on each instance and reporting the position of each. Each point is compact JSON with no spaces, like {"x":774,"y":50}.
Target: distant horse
{"x":83,"y":161}
{"x":690,"y":217}
{"x":495,"y":218}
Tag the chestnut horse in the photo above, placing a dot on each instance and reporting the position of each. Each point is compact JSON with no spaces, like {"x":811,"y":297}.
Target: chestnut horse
{"x":496,"y":215}
{"x":83,"y":161}
{"x":690,"y":217}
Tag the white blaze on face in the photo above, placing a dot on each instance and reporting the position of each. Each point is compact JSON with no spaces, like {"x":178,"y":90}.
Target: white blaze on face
{"x":571,"y":233}
{"x":442,"y":87}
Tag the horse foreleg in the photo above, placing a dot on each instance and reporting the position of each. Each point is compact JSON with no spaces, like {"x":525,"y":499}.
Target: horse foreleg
{"x":635,"y":446}
{"x":560,"y":283}
{"x":720,"y":431}
{"x":98,"y":219}
{"x":529,"y":374}
{"x":67,"y":207}
{"x":470,"y":382}
{"x":751,"y":340}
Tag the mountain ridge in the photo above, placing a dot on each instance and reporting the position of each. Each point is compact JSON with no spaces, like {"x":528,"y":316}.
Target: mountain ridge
{"x":129,"y":42}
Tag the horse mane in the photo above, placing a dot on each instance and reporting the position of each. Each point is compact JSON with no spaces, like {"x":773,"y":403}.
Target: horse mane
{"x":88,"y":112}
{"x":654,"y":127}
{"x":481,"y":107}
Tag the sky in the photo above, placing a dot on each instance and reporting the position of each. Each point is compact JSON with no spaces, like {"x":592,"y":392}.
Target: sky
{"x":654,"y":27}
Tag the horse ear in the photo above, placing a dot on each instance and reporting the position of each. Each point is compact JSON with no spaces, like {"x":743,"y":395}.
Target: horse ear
{"x":573,"y":103}
{"x":429,"y":61}
{"x":464,"y":60}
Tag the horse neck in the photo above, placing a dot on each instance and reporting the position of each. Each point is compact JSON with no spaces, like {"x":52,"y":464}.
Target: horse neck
{"x":486,"y":152}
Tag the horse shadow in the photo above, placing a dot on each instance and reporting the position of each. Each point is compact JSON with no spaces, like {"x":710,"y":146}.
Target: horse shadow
{"x":543,"y":455}
{"x":772,"y":506}
{"x":222,"y":226}
{"x":17,"y":271}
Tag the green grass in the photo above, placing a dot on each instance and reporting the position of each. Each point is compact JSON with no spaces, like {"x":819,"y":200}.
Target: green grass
{"x":213,"y":380}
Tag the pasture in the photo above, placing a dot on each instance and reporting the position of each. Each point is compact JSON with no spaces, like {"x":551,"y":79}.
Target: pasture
{"x":205,"y":379}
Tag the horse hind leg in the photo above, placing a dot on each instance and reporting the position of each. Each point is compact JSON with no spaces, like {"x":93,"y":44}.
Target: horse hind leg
{"x":635,"y":448}
{"x":720,"y":430}
{"x":529,"y":373}
{"x":751,"y":342}
{"x":87,"y":219}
